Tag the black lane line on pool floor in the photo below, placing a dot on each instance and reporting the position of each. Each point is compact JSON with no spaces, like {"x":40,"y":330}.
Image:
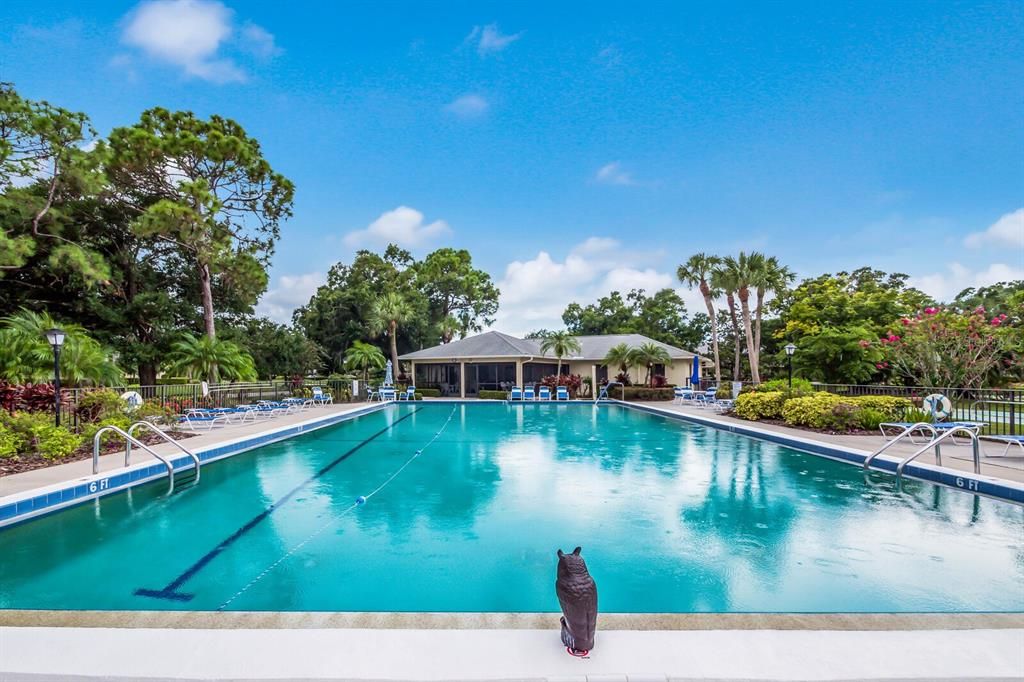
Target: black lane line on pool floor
{"x":170,"y":591}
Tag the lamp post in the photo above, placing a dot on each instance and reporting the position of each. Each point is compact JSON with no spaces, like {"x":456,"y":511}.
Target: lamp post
{"x":56,"y":338}
{"x":790,"y":349}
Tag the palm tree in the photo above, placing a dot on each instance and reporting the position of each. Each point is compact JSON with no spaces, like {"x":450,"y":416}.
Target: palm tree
{"x":364,"y":356}
{"x":560,"y":344}
{"x":389,"y":311}
{"x":210,"y":359}
{"x":448,"y":328}
{"x":724,"y":279}
{"x":770,"y":277}
{"x":742,"y":270}
{"x":696,"y":272}
{"x":26,"y":356}
{"x":650,"y":354}
{"x":621,"y":356}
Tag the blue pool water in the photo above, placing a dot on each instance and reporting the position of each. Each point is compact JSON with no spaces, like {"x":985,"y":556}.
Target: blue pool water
{"x":672,"y":517}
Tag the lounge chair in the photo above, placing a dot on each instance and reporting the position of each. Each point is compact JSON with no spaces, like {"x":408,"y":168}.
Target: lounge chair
{"x":682,"y":395}
{"x":561,"y":393}
{"x":939,"y":428}
{"x":408,"y":394}
{"x":528,"y":393}
{"x":1009,"y":440}
{"x":516,"y":393}
{"x":707,"y":398}
{"x":321,"y":398}
{"x":371,"y":393}
{"x":544,"y":393}
{"x":210,"y":417}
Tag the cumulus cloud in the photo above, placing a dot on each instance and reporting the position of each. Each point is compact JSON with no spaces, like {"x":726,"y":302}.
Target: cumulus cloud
{"x":291,"y":292}
{"x":944,"y":286}
{"x":192,"y":34}
{"x":1007,"y":231}
{"x":468,"y":106}
{"x":489,"y":39}
{"x":403,"y":226}
{"x":535,"y":292}
{"x":613,"y":174}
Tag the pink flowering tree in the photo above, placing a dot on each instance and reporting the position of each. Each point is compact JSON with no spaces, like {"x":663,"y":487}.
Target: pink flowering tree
{"x":944,"y":348}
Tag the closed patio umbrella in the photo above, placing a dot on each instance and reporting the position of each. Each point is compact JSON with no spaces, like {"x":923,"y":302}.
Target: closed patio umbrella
{"x":389,"y":378}
{"x":695,"y":377}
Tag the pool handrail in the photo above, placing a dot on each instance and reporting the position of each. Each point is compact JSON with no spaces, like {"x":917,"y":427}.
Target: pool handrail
{"x":603,"y":392}
{"x":975,"y":445}
{"x":133,"y":439}
{"x":163,"y":434}
{"x":905,"y":433}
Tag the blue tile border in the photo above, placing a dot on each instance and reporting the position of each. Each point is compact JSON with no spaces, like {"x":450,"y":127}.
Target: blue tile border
{"x":29,"y":504}
{"x":969,"y":482}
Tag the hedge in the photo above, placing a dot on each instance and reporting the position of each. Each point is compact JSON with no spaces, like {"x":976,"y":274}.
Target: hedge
{"x":492,"y":395}
{"x":842,"y":413}
{"x":645,"y":393}
{"x":428,"y":393}
{"x":754,"y":406}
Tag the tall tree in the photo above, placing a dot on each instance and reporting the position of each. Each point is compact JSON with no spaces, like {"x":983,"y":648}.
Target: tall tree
{"x":390,"y":311}
{"x":559,"y":344}
{"x":742,"y":271}
{"x":725,"y":279}
{"x":457,"y":291}
{"x":622,"y":356}
{"x":697,"y":272}
{"x":205,"y":187}
{"x":364,"y":357}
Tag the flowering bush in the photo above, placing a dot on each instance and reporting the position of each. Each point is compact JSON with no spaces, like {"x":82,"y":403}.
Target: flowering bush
{"x":26,"y":397}
{"x":623,"y":378}
{"x":944,"y":348}
{"x":570,"y":381}
{"x":658,"y":381}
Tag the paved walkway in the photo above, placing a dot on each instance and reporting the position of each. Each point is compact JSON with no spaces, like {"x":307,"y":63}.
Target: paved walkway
{"x":16,"y":483}
{"x":958,"y":457}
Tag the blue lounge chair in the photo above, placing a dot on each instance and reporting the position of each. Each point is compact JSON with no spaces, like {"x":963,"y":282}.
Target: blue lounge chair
{"x":408,"y":394}
{"x":544,"y":393}
{"x":515,"y":394}
{"x":682,"y":395}
{"x":939,"y":428}
{"x":561,"y":393}
{"x":321,"y":398}
{"x":1009,"y":440}
{"x":528,"y":393}
{"x":707,"y":398}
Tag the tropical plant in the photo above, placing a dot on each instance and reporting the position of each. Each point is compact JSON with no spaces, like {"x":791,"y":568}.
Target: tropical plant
{"x":364,"y":357}
{"x":742,"y":271}
{"x":726,"y":280}
{"x":622,"y":357}
{"x":389,"y":311}
{"x":650,"y":354}
{"x":559,"y":344}
{"x":768,"y":277}
{"x":211,"y":359}
{"x":26,"y":355}
{"x":697,"y":271}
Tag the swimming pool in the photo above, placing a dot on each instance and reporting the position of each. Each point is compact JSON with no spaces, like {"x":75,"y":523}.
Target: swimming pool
{"x":673,"y":517}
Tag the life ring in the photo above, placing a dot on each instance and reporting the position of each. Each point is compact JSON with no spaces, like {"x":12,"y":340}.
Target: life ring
{"x":133,"y":398}
{"x":938,"y":405}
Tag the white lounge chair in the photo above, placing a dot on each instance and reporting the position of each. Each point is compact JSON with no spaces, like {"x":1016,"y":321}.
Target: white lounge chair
{"x":408,"y":394}
{"x":321,"y":398}
{"x":544,"y":393}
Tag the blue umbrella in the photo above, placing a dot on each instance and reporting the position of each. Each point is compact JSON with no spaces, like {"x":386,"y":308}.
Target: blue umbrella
{"x":695,"y":377}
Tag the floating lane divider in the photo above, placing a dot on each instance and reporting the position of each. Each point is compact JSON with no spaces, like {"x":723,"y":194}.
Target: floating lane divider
{"x":359,"y":501}
{"x":172,"y":591}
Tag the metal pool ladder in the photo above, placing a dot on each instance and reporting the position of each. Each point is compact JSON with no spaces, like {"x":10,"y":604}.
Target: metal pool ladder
{"x":905,"y":433}
{"x":975,"y":446}
{"x":603,"y":393}
{"x":191,"y":476}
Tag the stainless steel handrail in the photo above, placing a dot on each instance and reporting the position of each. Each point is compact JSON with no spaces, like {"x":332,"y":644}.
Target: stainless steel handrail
{"x":160,"y":432}
{"x":975,"y":444}
{"x":906,"y":432}
{"x":131,"y":439}
{"x":604,"y":390}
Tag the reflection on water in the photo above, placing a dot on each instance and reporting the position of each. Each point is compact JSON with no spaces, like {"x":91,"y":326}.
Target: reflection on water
{"x":672,"y":518}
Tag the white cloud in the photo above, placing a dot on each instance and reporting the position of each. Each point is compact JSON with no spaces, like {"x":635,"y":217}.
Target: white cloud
{"x":489,"y":39}
{"x":403,"y":226}
{"x":291,"y":292}
{"x":613,"y":174}
{"x":1007,"y":231}
{"x":535,"y":292}
{"x":468,"y":106}
{"x":944,"y":286}
{"x":190,"y":34}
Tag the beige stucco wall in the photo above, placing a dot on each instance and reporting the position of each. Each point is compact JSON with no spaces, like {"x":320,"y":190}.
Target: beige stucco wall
{"x":678,"y":373}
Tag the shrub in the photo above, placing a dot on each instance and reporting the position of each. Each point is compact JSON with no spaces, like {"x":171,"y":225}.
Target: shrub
{"x":56,"y":442}
{"x":801,"y":387}
{"x":757,"y":405}
{"x":844,"y":416}
{"x":120,"y":421}
{"x":869,"y":418}
{"x":428,"y":393}
{"x":812,"y":410}
{"x":623,"y":378}
{"x":890,"y":407}
{"x":100,"y":404}
{"x":34,"y":432}
{"x":658,"y":381}
{"x":570,"y":381}
{"x":9,"y":442}
{"x":644,"y":393}
{"x":153,"y":412}
{"x":916,"y":415}
{"x":26,"y":397}
{"x":492,"y":395}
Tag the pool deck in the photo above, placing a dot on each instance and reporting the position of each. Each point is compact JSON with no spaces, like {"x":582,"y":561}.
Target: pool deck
{"x":1008,"y":468}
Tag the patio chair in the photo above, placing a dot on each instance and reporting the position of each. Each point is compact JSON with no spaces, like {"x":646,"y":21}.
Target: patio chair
{"x":1009,"y":440}
{"x":372,"y":393}
{"x":204,"y":417}
{"x":408,"y":394}
{"x":561,"y":393}
{"x":321,"y":398}
{"x":939,"y":428}
{"x":544,"y":393}
{"x":707,"y":398}
{"x":682,"y":395}
{"x":386,"y":393}
{"x":528,"y":393}
{"x":516,"y":393}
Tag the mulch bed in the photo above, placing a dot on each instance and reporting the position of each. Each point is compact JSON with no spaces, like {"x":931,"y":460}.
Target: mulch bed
{"x":17,"y":465}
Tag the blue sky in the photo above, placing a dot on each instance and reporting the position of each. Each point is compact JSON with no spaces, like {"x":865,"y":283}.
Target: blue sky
{"x":575,"y":151}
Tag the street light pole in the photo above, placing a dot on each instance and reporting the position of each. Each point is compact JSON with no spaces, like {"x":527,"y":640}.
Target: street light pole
{"x":56,"y":340}
{"x":790,"y":349}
